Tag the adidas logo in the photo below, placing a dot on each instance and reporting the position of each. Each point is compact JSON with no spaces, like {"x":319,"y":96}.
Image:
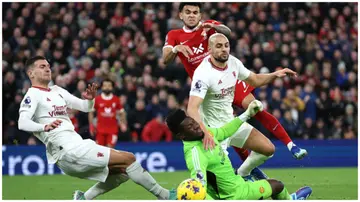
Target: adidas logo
{"x":47,"y":99}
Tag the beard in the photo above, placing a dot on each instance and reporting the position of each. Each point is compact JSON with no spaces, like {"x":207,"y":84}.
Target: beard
{"x":222,"y":59}
{"x":107,"y":92}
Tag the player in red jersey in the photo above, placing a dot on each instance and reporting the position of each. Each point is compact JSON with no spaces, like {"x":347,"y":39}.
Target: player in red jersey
{"x":107,"y":107}
{"x":191,"y":42}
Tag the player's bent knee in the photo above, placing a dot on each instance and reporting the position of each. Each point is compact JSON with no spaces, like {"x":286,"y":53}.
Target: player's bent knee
{"x":130,"y":158}
{"x":121,"y":158}
{"x":270,"y":150}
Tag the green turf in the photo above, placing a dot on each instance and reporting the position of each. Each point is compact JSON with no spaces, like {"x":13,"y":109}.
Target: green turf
{"x":327,"y":183}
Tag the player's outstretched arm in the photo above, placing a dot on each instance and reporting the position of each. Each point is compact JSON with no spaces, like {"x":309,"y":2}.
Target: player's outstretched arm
{"x":220,"y":28}
{"x":257,"y":80}
{"x":86,"y":105}
{"x":233,"y":126}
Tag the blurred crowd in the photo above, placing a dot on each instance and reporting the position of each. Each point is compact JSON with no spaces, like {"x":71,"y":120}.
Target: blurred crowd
{"x":87,"y":42}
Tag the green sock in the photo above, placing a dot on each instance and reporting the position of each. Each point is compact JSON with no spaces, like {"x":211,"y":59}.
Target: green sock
{"x":283,"y":195}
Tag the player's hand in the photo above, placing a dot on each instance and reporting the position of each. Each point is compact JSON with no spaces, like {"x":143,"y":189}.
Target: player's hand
{"x":207,"y":25}
{"x":208,"y":141}
{"x":185,"y":50}
{"x":123,"y":127}
{"x":90,"y":92}
{"x":53,"y":125}
{"x":285,"y":72}
{"x":92,"y":130}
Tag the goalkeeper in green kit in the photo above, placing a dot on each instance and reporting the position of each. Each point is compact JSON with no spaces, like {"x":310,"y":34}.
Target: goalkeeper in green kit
{"x":213,"y":167}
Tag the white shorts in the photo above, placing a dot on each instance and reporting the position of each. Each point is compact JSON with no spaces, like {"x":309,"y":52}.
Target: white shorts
{"x":87,"y":160}
{"x":239,"y":138}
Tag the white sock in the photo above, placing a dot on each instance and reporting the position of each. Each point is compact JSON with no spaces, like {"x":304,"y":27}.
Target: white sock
{"x":251,"y":162}
{"x":140,"y":176}
{"x":290,"y":145}
{"x":99,"y":188}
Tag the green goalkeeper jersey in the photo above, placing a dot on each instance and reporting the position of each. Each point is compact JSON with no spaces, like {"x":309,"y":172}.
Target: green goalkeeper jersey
{"x":213,"y":167}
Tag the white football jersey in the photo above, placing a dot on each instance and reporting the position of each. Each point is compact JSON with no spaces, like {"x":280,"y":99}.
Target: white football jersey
{"x":44,"y":106}
{"x":217,"y":86}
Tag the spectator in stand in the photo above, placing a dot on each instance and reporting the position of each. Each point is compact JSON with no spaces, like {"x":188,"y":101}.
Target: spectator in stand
{"x":308,"y":129}
{"x":322,"y":132}
{"x":137,"y":120}
{"x":289,"y":124}
{"x":293,"y":103}
{"x":156,"y":131}
{"x":309,"y":97}
{"x":123,"y":41}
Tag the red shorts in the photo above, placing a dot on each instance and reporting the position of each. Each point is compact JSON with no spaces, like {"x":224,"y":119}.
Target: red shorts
{"x":107,"y":139}
{"x":242,"y":89}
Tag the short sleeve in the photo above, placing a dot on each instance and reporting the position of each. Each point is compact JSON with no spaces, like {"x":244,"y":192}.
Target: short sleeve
{"x":244,"y":73}
{"x":170,"y":40}
{"x":199,"y":84}
{"x":29,"y":103}
{"x":118,"y":104}
{"x":212,"y":31}
{"x":96,"y":105}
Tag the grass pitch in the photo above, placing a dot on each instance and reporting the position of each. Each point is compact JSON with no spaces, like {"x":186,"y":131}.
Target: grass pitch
{"x":327,"y":183}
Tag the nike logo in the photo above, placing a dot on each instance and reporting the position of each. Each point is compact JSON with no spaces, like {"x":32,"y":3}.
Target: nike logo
{"x":275,"y":126}
{"x":182,"y":43}
{"x":246,"y":89}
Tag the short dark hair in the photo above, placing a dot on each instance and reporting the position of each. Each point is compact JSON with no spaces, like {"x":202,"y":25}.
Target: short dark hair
{"x":174,"y":120}
{"x":107,"y":80}
{"x":30,"y":62}
{"x":183,"y":4}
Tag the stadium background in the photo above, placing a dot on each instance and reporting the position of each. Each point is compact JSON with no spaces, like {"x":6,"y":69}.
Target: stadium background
{"x":86,"y":42}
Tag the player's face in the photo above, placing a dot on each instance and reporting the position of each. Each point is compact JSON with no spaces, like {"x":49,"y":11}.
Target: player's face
{"x":191,"y":16}
{"x":41,"y":71}
{"x":107,"y":87}
{"x":191,"y":129}
{"x":220,"y":50}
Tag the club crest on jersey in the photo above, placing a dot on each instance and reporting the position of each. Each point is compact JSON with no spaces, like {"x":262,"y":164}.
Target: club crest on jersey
{"x":234,"y":74}
{"x":197,"y":86}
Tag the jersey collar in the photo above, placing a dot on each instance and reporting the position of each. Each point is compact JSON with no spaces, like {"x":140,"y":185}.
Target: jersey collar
{"x":41,"y":88}
{"x":187,"y":30}
{"x":103,"y":96}
{"x":216,"y":67}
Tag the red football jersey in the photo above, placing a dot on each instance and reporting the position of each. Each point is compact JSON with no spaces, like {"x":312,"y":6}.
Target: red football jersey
{"x":106,"y":108}
{"x":196,"y":39}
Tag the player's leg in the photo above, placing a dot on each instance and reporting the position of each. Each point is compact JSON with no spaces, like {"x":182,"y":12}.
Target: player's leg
{"x":248,"y":137}
{"x":264,"y":189}
{"x":126,"y":162}
{"x":241,"y":90}
{"x":111,"y":140}
{"x":112,"y":182}
{"x":100,"y":139}
{"x":274,"y":126}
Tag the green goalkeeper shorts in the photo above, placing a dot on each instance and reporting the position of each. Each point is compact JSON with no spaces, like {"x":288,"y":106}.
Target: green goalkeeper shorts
{"x":253,"y":190}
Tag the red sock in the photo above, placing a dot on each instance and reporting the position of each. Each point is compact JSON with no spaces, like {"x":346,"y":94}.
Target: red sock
{"x":243,"y":153}
{"x":271,"y":123}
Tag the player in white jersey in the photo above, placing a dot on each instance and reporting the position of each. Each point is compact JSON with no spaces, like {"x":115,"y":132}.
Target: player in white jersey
{"x":43,"y":111}
{"x":212,"y":95}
